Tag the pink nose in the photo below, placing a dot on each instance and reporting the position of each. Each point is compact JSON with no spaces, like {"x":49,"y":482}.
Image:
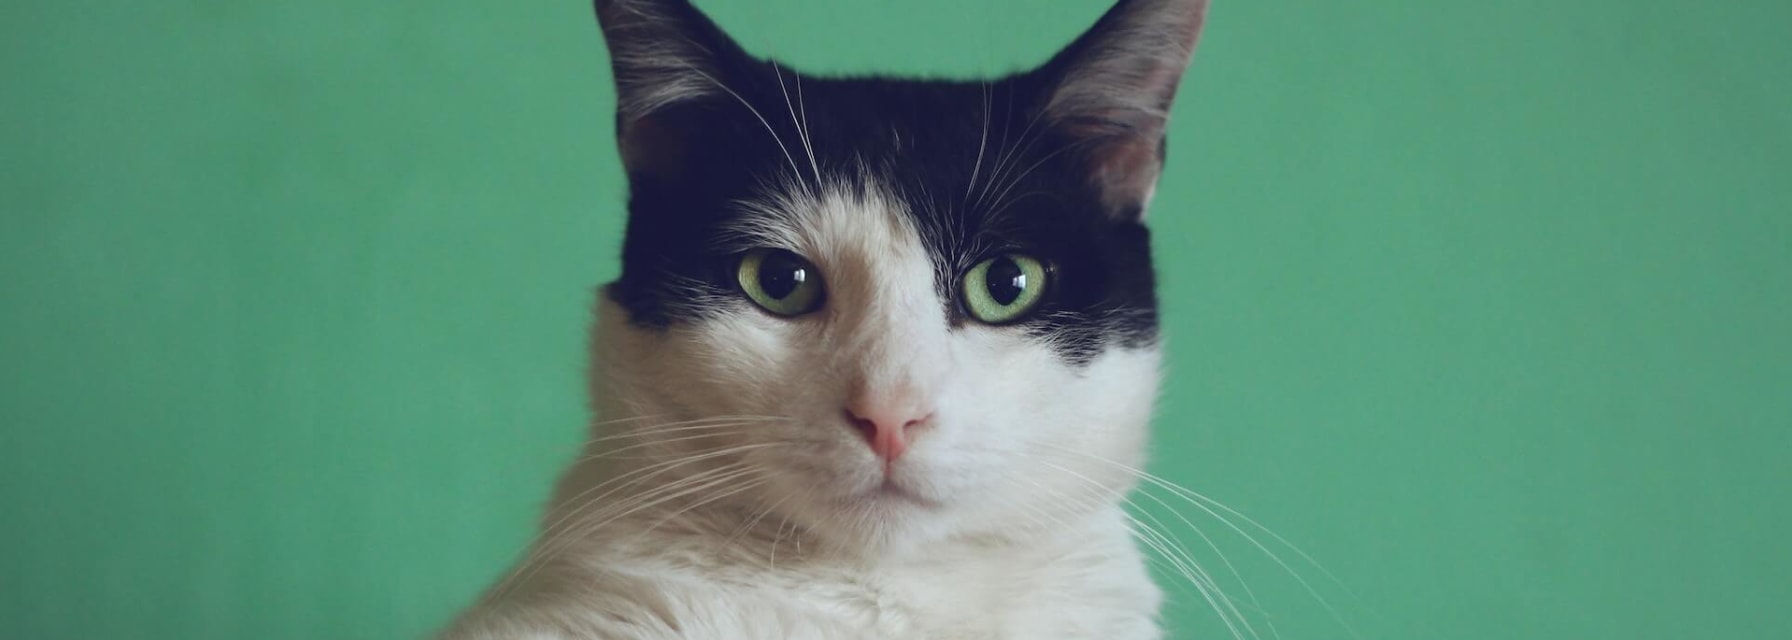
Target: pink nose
{"x":885,"y":428}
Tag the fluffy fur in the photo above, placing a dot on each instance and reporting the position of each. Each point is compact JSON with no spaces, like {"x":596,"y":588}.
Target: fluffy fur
{"x":727,"y":493}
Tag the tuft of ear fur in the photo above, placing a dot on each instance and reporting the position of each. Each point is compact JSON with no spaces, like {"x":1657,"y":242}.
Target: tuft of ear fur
{"x":663,"y":53}
{"x":1112,"y":89}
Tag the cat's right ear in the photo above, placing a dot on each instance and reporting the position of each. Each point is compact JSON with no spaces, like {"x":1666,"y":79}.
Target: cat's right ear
{"x":664,"y":54}
{"x":1111,"y":94}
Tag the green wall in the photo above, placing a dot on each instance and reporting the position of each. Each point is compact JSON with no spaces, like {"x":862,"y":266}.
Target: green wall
{"x":1485,"y":305}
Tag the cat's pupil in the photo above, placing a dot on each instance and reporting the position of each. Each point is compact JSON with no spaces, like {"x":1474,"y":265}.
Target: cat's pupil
{"x":780,"y":274}
{"x":1005,"y":281}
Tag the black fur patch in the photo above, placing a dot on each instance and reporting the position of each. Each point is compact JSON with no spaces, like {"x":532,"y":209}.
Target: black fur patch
{"x":978,"y":168}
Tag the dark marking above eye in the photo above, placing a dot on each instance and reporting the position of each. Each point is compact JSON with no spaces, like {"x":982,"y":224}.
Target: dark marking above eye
{"x":990,"y":195}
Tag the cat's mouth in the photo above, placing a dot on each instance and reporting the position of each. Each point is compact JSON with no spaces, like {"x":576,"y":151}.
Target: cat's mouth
{"x":891,"y":492}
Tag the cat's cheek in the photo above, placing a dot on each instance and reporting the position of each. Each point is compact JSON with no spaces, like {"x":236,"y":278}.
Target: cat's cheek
{"x":745,"y":356}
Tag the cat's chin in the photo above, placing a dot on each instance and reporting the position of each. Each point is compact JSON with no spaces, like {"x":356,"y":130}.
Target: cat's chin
{"x":892,"y":498}
{"x":881,"y":521}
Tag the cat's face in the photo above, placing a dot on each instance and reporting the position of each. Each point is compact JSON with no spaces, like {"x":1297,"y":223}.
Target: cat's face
{"x":899,"y":310}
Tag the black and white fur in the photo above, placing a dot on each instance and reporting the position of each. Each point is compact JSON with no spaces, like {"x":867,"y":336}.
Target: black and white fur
{"x":727,"y":492}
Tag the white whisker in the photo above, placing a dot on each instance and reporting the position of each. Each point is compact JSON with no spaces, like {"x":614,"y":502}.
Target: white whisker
{"x":747,"y":527}
{"x":1218,"y":599}
{"x":777,"y":538}
{"x":982,"y":141}
{"x":801,"y":130}
{"x":688,"y":508}
{"x":1016,"y":180}
{"x":1010,"y":155}
{"x":558,"y":533}
{"x":650,"y":498}
{"x":611,"y":453}
{"x":768,"y":125}
{"x":675,"y":427}
{"x":1197,"y":500}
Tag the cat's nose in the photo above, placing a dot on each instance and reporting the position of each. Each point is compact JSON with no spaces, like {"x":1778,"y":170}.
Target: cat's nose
{"x":887,"y":427}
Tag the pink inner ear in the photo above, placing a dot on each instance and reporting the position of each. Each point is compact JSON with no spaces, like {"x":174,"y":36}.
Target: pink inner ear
{"x":1123,"y":155}
{"x":1115,"y":87}
{"x":1126,"y":171}
{"x":652,"y":148}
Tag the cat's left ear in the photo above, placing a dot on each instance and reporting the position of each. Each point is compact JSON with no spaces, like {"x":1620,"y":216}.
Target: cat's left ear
{"x":1111,"y":92}
{"x":666,"y":55}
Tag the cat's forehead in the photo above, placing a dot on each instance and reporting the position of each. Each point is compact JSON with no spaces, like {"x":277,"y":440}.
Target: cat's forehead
{"x":951,"y":125}
{"x":963,"y":161}
{"x":830,"y":221}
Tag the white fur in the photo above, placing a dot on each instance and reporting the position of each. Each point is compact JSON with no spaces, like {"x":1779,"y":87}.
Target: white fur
{"x":1007,"y":535}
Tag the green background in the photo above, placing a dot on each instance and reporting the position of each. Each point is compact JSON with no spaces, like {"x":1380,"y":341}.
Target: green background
{"x":1485,"y":305}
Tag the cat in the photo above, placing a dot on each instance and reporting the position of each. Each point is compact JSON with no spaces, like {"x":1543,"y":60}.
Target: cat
{"x":882,"y":354}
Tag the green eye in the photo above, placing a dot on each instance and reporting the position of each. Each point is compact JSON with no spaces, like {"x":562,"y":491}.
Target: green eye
{"x":1004,"y":289}
{"x":780,"y":282}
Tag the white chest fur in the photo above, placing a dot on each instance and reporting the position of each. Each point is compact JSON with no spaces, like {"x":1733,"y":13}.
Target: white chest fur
{"x":688,"y":583}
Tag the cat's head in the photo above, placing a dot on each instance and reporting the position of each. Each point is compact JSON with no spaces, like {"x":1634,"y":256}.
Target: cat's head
{"x":889,"y":310}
